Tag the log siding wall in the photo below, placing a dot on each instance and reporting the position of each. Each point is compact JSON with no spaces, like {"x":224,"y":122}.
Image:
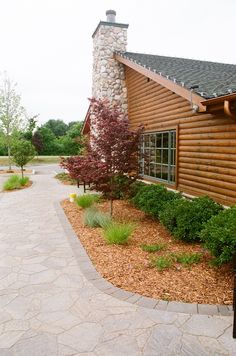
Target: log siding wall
{"x":206,"y":161}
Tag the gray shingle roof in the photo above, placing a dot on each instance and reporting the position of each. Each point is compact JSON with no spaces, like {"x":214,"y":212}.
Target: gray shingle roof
{"x":213,"y":79}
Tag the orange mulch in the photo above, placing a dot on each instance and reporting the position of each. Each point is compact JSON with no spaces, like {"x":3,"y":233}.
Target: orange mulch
{"x":15,"y":171}
{"x":129,"y":267}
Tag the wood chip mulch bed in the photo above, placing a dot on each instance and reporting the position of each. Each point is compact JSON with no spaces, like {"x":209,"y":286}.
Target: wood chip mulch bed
{"x":129,"y":267}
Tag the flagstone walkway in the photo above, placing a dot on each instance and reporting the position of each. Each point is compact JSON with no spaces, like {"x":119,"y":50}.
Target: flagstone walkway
{"x":48,"y":307}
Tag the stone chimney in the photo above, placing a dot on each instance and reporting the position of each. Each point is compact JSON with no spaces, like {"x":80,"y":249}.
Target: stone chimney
{"x":108,"y":74}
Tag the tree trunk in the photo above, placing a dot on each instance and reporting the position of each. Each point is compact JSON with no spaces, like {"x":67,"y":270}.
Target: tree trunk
{"x":22,"y":172}
{"x":111,"y":207}
{"x":9,"y":156}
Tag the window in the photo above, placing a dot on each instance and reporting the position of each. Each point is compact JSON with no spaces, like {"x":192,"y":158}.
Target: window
{"x":157,"y":158}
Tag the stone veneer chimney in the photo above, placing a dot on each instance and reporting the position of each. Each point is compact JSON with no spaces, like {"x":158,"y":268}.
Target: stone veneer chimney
{"x":108,"y":74}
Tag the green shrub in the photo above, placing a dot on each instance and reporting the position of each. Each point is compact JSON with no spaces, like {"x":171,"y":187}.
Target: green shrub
{"x":87,"y":200}
{"x":153,"y":248}
{"x":187,"y":258}
{"x":12,"y":182}
{"x":134,"y":188}
{"x":162,"y":262}
{"x":95,"y":218}
{"x":24,"y":181}
{"x":118,"y":233}
{"x":219,"y":235}
{"x":152,"y":199}
{"x":185,"y":219}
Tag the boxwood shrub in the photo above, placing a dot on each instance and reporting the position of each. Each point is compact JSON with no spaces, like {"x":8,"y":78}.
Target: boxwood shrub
{"x":185,"y":218}
{"x":152,"y":198}
{"x":134,"y":188}
{"x":219,"y":235}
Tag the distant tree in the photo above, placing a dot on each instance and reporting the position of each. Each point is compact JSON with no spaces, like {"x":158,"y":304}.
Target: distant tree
{"x":31,"y":126}
{"x":58,"y":127}
{"x":111,"y":154}
{"x":12,"y":114}
{"x":69,"y":145}
{"x":75,"y":130}
{"x":72,"y":123}
{"x":22,"y":153}
{"x":37,"y":142}
{"x":50,"y":147}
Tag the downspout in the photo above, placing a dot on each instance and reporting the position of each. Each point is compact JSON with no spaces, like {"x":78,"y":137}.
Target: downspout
{"x":227,"y":109}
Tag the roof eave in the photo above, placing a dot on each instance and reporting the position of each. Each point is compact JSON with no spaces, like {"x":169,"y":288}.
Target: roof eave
{"x":86,"y":125}
{"x":219,"y":99}
{"x":169,"y":84}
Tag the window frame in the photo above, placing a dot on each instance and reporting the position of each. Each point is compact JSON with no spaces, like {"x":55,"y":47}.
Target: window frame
{"x":169,"y":148}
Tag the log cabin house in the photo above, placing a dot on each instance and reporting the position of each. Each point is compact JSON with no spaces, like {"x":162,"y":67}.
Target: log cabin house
{"x":188,"y":108}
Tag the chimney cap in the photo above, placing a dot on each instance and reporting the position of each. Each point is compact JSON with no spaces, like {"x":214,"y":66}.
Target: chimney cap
{"x":111,"y":12}
{"x":111,"y":15}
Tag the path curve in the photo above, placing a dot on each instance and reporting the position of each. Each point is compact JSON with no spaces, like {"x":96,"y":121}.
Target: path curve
{"x":49,"y":308}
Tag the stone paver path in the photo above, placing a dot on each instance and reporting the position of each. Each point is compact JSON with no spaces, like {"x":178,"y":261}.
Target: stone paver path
{"x":48,"y":307}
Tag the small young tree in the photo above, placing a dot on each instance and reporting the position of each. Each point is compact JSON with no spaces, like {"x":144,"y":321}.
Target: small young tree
{"x":22,"y":153}
{"x":11,"y":114}
{"x":111,"y":154}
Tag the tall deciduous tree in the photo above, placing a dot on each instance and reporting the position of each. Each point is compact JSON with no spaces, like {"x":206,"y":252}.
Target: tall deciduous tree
{"x":11,"y":113}
{"x":111,"y":154}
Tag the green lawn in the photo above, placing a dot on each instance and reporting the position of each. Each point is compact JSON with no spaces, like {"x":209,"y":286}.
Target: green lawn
{"x":36,"y":160}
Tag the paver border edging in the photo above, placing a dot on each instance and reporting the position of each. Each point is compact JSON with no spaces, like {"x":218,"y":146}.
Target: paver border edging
{"x":106,"y":287}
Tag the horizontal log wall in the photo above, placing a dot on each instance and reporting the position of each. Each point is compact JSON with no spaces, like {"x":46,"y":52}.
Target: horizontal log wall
{"x":206,"y":162}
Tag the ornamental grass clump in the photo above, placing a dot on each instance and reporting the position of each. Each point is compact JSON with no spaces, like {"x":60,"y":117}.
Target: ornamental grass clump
{"x":24,"y":181}
{"x":118,"y":233}
{"x":95,"y":218}
{"x":15,"y":182}
{"x":219,"y":235}
{"x":87,"y":200}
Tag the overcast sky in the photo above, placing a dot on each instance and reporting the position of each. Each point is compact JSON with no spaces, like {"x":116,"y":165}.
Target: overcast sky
{"x":46,"y":45}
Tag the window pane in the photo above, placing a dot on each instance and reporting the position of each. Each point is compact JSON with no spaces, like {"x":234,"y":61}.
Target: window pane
{"x":164,"y":172}
{"x":165,"y":157}
{"x":165,"y":139}
{"x":158,"y":140}
{"x":152,"y":140}
{"x":146,"y":155}
{"x":158,"y":171}
{"x":172,"y":161}
{"x":152,"y":170}
{"x":152,"y":155}
{"x":172,"y":174}
{"x":146,"y":169}
{"x":158,"y":156}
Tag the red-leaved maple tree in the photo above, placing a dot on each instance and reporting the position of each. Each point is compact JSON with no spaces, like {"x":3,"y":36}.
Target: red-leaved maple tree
{"x":111,"y":154}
